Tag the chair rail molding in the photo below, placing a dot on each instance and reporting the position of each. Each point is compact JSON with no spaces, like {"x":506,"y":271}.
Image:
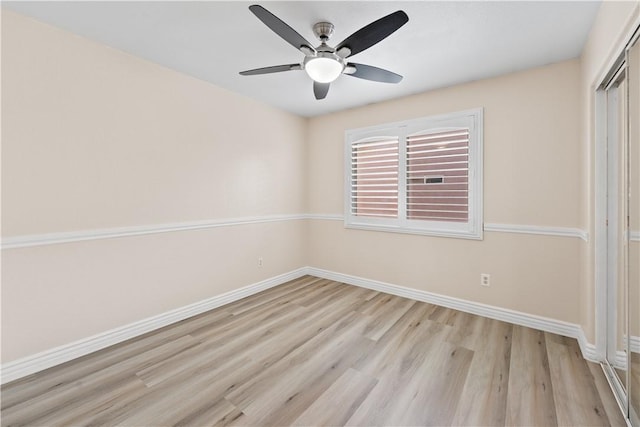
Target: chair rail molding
{"x":538,"y":230}
{"x":110,"y":233}
{"x":25,"y":241}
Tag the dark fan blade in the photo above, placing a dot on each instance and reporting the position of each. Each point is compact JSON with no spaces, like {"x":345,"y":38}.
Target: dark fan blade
{"x":268,"y":70}
{"x":320,"y":90}
{"x":376,"y":74}
{"x":280,"y":28}
{"x":373,"y":33}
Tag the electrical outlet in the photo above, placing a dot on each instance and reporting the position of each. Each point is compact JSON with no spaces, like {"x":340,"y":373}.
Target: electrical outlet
{"x":260,"y":262}
{"x":485,"y":279}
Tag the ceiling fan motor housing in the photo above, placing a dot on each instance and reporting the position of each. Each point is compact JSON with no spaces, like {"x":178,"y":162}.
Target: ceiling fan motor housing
{"x":323,"y":30}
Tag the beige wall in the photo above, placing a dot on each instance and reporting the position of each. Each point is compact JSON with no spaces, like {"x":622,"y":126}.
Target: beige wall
{"x":93,"y":138}
{"x":86,"y":125}
{"x":531,"y":177}
{"x":614,"y":22}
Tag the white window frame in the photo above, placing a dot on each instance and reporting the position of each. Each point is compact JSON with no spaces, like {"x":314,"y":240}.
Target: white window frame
{"x":472,"y":229}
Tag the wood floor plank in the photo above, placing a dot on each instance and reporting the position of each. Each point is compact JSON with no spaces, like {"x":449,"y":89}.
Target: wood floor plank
{"x":469,"y":330}
{"x":530,"y":399}
{"x":445,"y":315}
{"x":44,"y":404}
{"x":484,"y":398}
{"x":214,"y":412}
{"x":406,"y":339}
{"x":77,"y":410}
{"x":576,"y":397}
{"x":395,"y":360}
{"x":384,"y":314}
{"x":342,"y":292}
{"x":431,"y":397}
{"x":175,"y":400}
{"x":320,"y":291}
{"x":229,"y":325}
{"x":165,"y":403}
{"x":319,"y":352}
{"x":318,"y":349}
{"x":343,"y":397}
{"x":57,"y":377}
{"x":221,"y":348}
{"x":296,"y":390}
{"x":258,"y":356}
{"x":287,"y":290}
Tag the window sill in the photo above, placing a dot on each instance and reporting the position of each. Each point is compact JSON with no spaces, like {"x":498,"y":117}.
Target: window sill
{"x":460,"y":234}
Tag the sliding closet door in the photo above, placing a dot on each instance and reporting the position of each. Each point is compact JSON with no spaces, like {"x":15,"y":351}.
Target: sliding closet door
{"x":618,"y":238}
{"x":633,"y":231}
{"x":617,"y":319}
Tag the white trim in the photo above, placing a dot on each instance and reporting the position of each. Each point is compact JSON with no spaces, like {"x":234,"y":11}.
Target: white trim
{"x":539,"y":230}
{"x":109,"y":233}
{"x":559,"y":327}
{"x":501,"y":228}
{"x":471,"y":120}
{"x":634,"y":236}
{"x":30,"y":240}
{"x":442,"y":232}
{"x":31,"y":364}
{"x":327,"y":217}
{"x":589,"y":351}
{"x":621,"y":41}
{"x":600,"y":189}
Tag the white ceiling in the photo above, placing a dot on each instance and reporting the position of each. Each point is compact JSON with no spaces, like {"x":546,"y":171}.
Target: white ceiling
{"x":444,"y":43}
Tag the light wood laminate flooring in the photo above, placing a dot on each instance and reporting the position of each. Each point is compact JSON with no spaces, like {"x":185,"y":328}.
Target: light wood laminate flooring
{"x":319,"y":352}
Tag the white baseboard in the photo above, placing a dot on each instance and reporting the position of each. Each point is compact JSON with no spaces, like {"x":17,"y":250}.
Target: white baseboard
{"x":589,"y":352}
{"x":559,"y":327}
{"x":31,"y":364}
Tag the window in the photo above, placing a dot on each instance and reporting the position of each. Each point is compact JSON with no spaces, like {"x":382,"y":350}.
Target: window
{"x":420,"y":176}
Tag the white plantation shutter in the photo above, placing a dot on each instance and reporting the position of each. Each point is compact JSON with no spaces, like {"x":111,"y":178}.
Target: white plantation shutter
{"x":438,"y":176}
{"x":420,"y":176}
{"x":374,"y":178}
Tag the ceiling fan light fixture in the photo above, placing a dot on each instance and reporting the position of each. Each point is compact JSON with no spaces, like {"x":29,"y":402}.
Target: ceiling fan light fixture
{"x":323,"y":69}
{"x":325,"y":63}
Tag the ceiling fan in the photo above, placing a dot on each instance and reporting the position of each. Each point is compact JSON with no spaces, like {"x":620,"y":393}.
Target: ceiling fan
{"x":324,"y":63}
